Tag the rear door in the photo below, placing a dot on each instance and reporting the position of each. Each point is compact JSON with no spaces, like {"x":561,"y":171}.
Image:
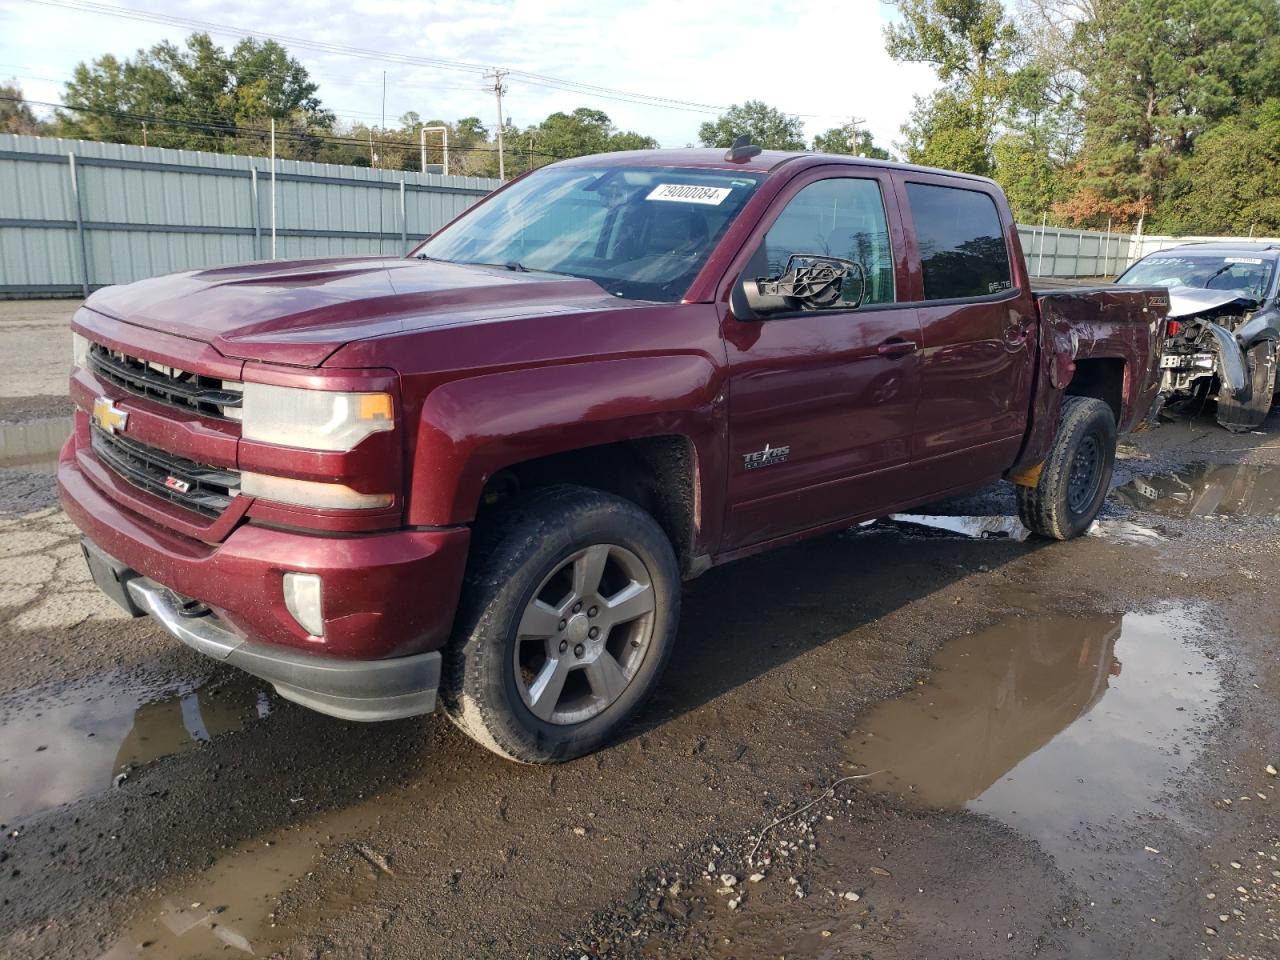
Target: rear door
{"x":821,"y":402}
{"x":977,"y":324}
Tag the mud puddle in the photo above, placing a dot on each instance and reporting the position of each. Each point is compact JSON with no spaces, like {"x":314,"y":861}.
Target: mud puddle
{"x":59,"y":748}
{"x":33,"y":444}
{"x":231,"y":909}
{"x":1207,"y":489}
{"x":1049,"y":724}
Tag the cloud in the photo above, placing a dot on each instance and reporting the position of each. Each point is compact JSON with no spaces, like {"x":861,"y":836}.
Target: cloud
{"x":825,"y":63}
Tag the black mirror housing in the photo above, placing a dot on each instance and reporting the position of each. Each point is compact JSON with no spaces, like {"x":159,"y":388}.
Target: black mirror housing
{"x":809,"y":282}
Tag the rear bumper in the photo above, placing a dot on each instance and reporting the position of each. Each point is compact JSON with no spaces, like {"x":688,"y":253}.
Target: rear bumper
{"x":388,"y":599}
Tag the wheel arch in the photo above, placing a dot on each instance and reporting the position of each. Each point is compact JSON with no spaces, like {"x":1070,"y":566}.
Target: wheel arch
{"x":648,"y":429}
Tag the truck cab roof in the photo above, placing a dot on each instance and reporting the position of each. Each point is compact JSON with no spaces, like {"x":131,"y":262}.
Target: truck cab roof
{"x":767,"y":161}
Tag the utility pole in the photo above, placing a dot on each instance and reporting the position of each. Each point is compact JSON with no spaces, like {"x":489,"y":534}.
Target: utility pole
{"x":273,"y":188}
{"x":531,"y":135}
{"x":384,"y":100}
{"x":853,"y":134}
{"x":499,"y":89}
{"x":144,"y":133}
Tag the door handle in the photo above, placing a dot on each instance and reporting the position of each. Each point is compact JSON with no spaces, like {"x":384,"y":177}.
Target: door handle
{"x":897,"y":348}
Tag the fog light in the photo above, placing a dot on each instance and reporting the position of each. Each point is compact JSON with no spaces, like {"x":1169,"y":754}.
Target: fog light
{"x":302,"y":599}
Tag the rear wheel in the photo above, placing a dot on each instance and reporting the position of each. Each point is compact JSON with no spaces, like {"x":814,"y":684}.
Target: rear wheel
{"x":1260,"y":368}
{"x":1076,"y":475}
{"x":568,"y":618}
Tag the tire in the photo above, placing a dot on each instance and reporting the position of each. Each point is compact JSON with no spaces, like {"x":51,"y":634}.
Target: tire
{"x":1260,"y":368}
{"x":525,"y":675}
{"x":1076,"y":475}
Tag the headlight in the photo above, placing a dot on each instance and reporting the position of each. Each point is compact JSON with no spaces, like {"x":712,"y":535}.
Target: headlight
{"x":313,"y":419}
{"x":309,"y":493}
{"x":79,"y":350}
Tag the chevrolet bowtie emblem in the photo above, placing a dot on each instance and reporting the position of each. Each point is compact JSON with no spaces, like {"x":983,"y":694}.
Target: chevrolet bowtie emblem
{"x":108,"y":416}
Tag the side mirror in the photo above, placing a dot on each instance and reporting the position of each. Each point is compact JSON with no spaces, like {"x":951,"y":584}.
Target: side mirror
{"x":809,"y":282}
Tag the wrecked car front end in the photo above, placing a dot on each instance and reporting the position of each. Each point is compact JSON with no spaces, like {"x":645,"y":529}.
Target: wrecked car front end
{"x":1220,"y":344}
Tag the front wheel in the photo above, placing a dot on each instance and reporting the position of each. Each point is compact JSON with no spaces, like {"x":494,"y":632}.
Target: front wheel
{"x":567,"y":620}
{"x":1260,"y":368}
{"x":1076,"y":475}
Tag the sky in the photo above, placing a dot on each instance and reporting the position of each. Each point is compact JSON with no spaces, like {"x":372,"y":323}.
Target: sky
{"x":825,"y":63}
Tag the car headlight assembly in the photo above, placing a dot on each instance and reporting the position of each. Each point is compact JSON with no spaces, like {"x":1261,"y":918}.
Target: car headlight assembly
{"x":313,"y":419}
{"x":79,"y":350}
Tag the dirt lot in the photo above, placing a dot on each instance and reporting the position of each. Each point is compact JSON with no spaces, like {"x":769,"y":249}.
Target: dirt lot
{"x":890,"y":743}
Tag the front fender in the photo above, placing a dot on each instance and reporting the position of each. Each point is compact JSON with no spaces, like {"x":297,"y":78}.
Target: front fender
{"x":471,"y":428}
{"x":1231,"y":363}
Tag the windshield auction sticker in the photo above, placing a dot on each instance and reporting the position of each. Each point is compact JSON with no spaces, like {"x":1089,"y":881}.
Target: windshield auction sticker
{"x":689,"y":193}
{"x":1256,"y":261}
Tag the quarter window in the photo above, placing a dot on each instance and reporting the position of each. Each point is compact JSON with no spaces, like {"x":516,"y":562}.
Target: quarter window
{"x":962,"y":248}
{"x":841,"y":217}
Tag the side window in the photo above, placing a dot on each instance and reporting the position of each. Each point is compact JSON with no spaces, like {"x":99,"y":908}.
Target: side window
{"x":842,"y":217}
{"x":962,"y":248}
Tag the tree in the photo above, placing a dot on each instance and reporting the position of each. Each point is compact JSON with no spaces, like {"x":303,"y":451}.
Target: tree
{"x":1035,"y":148}
{"x":1165,"y":72}
{"x":767,"y":127}
{"x":16,"y":115}
{"x":973,"y":48}
{"x":198,"y":97}
{"x":1229,"y":183}
{"x":849,"y":139}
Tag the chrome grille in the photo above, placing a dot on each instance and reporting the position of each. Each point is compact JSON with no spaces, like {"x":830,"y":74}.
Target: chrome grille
{"x":204,"y":489}
{"x":210,"y":396}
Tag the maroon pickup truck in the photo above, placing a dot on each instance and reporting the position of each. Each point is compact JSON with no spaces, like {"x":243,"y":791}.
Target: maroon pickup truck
{"x":483,"y":470}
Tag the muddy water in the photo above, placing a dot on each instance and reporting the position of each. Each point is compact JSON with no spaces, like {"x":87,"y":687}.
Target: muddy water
{"x":33,"y":444}
{"x":230,"y":909}
{"x":1047,"y":723}
{"x":1205,"y":489}
{"x":67,"y":744}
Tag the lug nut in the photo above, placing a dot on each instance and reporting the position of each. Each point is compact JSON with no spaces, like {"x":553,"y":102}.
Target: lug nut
{"x":564,"y":645}
{"x":593,"y":632}
{"x":577,"y":606}
{"x":579,"y":650}
{"x":563,"y":624}
{"x":593,"y":611}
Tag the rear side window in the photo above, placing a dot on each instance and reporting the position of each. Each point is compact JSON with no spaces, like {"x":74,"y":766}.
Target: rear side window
{"x":962,"y":248}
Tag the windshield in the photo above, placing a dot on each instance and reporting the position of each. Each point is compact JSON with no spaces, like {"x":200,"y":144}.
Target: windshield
{"x":1251,"y":276}
{"x":639,"y":232}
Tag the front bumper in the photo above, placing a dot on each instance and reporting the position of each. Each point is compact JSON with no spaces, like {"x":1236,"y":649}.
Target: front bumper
{"x":388,"y":600}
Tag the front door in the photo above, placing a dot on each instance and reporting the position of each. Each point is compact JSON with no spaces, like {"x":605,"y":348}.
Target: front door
{"x":821,"y":402}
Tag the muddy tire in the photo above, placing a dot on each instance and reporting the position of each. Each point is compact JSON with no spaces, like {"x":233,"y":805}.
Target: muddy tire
{"x":1077,"y":473}
{"x":1260,"y":368}
{"x":567,"y":620}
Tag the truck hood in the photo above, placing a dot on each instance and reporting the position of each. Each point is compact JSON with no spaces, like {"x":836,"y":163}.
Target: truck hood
{"x":299,"y":312}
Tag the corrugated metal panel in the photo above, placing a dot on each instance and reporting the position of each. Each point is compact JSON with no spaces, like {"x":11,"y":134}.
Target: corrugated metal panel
{"x":129,"y":195}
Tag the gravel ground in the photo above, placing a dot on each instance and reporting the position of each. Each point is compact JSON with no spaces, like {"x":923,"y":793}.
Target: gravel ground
{"x":157,"y":805}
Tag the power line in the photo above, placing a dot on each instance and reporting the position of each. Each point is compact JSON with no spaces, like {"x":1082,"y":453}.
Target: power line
{"x":245,"y":132}
{"x":536,"y":79}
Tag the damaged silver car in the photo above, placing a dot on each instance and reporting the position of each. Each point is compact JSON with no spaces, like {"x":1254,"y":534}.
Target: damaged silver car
{"x":1223,"y":326}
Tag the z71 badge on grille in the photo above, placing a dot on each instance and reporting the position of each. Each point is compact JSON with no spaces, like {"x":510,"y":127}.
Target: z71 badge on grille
{"x":765,"y":458}
{"x":108,"y":416}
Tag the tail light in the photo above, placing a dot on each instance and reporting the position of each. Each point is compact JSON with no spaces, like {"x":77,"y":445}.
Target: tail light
{"x":1174,"y":328}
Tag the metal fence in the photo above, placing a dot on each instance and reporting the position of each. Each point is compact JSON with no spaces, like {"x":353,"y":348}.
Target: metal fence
{"x":77,"y":215}
{"x":1063,"y":252}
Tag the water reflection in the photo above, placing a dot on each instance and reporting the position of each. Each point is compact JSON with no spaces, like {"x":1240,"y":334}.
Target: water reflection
{"x":1044,"y":722}
{"x":1202,"y":489}
{"x":69,"y":743}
